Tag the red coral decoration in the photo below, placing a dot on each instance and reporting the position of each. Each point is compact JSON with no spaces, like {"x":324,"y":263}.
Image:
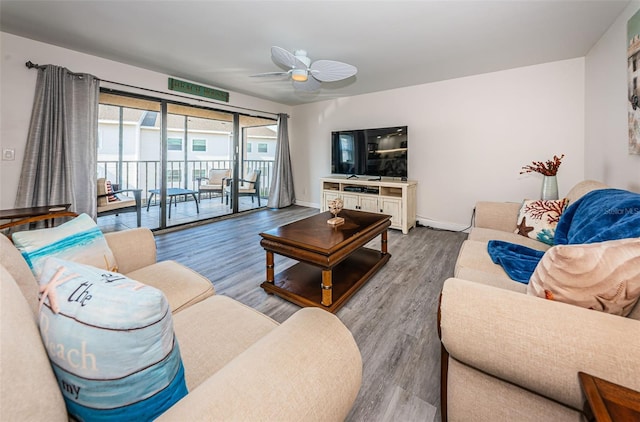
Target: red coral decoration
{"x":552,"y":209}
{"x":549,"y":168}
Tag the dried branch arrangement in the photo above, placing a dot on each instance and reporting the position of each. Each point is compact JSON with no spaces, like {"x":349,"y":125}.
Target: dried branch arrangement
{"x":548,"y":168}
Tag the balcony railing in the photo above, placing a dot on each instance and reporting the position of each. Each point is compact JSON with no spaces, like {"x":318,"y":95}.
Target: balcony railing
{"x":146,"y":175}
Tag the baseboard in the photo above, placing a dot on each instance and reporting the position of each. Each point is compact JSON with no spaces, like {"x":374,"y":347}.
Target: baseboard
{"x":307,"y":204}
{"x":443,"y":225}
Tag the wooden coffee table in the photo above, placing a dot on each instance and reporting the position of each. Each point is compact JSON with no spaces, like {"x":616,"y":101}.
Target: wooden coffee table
{"x":333,"y":262}
{"x":609,"y":402}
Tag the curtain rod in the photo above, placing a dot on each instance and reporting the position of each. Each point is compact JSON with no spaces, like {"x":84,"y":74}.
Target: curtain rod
{"x":32,"y":65}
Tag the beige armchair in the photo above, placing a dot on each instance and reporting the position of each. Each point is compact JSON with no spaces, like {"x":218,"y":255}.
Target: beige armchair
{"x":214,"y":183}
{"x":250,"y":186}
{"x":115,"y":202}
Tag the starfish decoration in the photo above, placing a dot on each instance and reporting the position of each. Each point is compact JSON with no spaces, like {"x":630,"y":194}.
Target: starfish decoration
{"x":49,"y":289}
{"x":523,"y":229}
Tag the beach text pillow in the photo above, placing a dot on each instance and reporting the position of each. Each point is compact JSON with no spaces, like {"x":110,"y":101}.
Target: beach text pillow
{"x":78,"y":240}
{"x":604,"y":276}
{"x":538,"y":218}
{"x":110,"y":342}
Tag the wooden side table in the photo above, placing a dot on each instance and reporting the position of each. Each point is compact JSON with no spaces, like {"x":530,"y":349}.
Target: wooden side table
{"x":20,"y":216}
{"x":609,"y":402}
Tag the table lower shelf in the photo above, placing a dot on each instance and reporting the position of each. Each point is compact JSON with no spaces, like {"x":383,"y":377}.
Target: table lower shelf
{"x":302,"y":283}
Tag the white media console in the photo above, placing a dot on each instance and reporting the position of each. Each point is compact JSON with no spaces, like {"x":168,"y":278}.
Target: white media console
{"x":386,"y":196}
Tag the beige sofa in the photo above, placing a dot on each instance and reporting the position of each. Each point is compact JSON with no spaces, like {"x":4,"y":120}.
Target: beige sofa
{"x":508,"y":356}
{"x":239,"y":364}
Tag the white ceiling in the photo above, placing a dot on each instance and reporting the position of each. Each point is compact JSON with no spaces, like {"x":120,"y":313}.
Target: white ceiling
{"x":392,"y":43}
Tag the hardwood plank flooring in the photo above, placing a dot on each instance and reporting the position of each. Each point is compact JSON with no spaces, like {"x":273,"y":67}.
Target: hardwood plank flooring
{"x":393,"y":317}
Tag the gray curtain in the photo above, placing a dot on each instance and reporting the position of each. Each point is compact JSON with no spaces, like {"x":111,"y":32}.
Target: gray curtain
{"x":59,"y":164}
{"x":281,"y":192}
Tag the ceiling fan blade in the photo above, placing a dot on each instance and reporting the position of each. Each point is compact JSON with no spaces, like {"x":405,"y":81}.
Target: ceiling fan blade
{"x":310,"y":85}
{"x":286,"y":59}
{"x":259,"y":75}
{"x":331,"y":71}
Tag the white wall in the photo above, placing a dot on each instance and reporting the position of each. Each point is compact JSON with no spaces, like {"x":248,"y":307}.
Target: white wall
{"x":17,"y":85}
{"x":606,"y":122}
{"x":468,"y":137}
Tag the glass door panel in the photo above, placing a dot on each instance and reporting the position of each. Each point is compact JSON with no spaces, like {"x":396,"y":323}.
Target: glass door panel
{"x":128,"y":157}
{"x":199,"y":162}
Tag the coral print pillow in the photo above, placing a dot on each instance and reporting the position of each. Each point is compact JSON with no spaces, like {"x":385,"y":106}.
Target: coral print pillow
{"x":538,"y":218}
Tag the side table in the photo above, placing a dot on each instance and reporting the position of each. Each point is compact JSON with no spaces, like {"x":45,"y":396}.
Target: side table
{"x":609,"y":402}
{"x":20,"y":216}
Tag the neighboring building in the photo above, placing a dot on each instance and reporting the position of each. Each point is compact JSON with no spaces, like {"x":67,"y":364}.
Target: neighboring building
{"x":194,"y":145}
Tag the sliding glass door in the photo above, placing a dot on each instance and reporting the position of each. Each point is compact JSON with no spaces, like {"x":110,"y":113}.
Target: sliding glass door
{"x":195,"y":164}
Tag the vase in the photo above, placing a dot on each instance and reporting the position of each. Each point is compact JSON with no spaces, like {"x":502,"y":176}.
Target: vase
{"x":549,"y":188}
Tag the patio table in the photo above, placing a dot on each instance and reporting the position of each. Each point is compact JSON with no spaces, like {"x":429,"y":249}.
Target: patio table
{"x":173,"y":193}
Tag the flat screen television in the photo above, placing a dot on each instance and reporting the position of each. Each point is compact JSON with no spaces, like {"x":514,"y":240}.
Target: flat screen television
{"x":379,"y":152}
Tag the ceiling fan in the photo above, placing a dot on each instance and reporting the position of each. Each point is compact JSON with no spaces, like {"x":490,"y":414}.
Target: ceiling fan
{"x":307,"y":76}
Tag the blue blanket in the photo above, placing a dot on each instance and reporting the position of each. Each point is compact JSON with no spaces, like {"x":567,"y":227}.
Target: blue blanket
{"x":600,"y":215}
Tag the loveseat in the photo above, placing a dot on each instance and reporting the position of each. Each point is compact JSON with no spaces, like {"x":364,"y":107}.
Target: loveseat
{"x":510,"y":356}
{"x":239,"y":364}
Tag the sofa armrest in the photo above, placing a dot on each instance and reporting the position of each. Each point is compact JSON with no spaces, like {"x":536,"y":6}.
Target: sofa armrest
{"x":536,"y":343}
{"x":497,"y":215}
{"x":307,"y":369}
{"x":133,"y":248}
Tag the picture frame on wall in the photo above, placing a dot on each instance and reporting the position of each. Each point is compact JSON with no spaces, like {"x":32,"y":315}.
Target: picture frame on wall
{"x":633,"y":91}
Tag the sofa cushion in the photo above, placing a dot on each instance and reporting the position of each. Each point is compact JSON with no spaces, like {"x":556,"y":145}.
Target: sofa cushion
{"x":78,"y":240}
{"x":230,"y":325}
{"x":537,"y":218}
{"x":484,"y":235}
{"x":604,"y":276}
{"x":501,"y":281}
{"x":111,"y":343}
{"x":28,"y":389}
{"x":473,"y":255}
{"x":181,"y":285}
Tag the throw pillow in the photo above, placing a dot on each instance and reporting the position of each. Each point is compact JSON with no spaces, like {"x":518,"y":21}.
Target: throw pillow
{"x":78,"y":240}
{"x":111,"y":197}
{"x":110,"y":342}
{"x":538,"y":218}
{"x":604,"y":276}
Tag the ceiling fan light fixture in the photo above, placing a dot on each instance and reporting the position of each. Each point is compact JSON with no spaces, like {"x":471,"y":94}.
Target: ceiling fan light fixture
{"x":299,"y":75}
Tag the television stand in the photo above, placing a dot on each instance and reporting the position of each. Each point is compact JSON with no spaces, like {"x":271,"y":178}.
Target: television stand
{"x":353,"y":176}
{"x":382,"y":196}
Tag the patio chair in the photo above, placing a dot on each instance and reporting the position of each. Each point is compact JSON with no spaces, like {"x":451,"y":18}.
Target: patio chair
{"x":214,"y":183}
{"x":112,"y":201}
{"x":248,"y":187}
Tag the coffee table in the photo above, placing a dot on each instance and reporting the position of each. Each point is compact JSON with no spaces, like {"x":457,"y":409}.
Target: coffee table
{"x":607,"y":402}
{"x":333,"y":262}
{"x":173,"y":193}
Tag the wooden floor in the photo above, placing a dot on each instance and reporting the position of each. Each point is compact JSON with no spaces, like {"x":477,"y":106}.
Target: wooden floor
{"x":392,"y":318}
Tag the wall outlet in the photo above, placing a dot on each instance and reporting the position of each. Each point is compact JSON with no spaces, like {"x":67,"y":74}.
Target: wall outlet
{"x":8,"y":154}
